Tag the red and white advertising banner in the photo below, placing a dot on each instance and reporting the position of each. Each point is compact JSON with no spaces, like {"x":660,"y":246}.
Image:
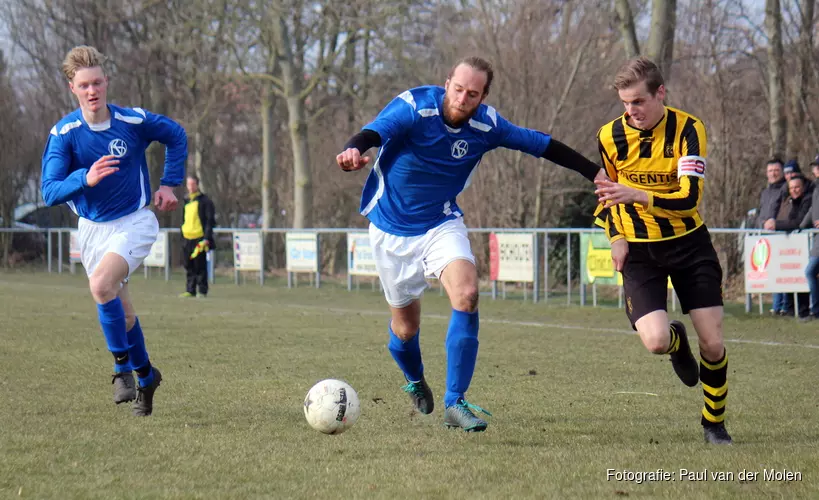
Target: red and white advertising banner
{"x":775,"y":263}
{"x":511,"y":257}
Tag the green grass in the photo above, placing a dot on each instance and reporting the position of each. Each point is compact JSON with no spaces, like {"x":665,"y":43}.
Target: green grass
{"x":567,"y":387}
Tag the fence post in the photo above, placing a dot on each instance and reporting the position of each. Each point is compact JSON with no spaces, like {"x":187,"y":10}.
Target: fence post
{"x":261,"y":258}
{"x":546,"y":268}
{"x":48,"y":257}
{"x":318,"y":260}
{"x":536,"y":256}
{"x":568,"y":269}
{"x":59,"y":251}
{"x":168,"y":256}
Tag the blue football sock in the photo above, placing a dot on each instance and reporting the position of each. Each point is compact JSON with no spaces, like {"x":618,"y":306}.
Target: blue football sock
{"x":407,"y":355}
{"x":145,"y":375}
{"x":112,"y":320}
{"x":461,"y":354}
{"x":136,"y":347}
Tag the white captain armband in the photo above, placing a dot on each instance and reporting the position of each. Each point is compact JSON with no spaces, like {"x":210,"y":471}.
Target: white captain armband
{"x":691,"y":165}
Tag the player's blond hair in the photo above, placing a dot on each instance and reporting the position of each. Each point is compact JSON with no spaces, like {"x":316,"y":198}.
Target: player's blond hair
{"x":83,"y":56}
{"x":639,"y":69}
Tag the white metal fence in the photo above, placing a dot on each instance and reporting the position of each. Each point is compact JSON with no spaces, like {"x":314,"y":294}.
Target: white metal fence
{"x":547,"y":261}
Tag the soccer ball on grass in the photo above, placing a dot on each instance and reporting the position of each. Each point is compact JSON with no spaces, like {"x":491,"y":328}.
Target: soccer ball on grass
{"x":331,"y":406}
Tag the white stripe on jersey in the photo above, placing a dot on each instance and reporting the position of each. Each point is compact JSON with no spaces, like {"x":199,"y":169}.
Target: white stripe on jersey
{"x":427,"y":112}
{"x":480,"y":126}
{"x":134,"y":120}
{"x":141,"y":189}
{"x":380,"y":191}
{"x":492,"y":114}
{"x":407,"y":96}
{"x":69,"y":126}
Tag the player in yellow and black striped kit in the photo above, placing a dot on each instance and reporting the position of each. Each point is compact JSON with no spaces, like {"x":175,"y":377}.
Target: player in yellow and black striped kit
{"x":655,"y":157}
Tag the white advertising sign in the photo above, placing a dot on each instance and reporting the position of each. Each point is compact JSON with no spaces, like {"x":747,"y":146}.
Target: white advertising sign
{"x":156,"y":257}
{"x":302,"y":252}
{"x":247,"y":251}
{"x":511,"y":257}
{"x":360,"y":257}
{"x":775,"y":263}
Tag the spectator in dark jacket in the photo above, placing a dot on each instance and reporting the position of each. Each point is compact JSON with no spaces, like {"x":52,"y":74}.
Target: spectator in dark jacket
{"x":793,"y":208}
{"x":791,"y":170}
{"x":811,"y":220}
{"x":791,"y":214}
{"x":197,"y":231}
{"x":772,"y":194}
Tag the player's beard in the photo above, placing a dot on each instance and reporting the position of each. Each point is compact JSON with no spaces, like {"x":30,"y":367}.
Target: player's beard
{"x":453,"y":119}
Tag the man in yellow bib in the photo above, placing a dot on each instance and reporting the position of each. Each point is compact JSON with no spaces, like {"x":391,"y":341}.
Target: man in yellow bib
{"x":197,"y":231}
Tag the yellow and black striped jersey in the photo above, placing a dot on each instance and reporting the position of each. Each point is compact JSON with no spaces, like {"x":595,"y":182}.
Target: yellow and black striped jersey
{"x":668,"y":163}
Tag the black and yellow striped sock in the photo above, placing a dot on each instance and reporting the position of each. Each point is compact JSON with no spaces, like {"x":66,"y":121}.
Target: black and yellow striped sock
{"x":714,"y":378}
{"x":674,"y":345}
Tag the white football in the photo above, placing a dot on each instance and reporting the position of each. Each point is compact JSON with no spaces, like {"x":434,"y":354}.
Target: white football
{"x":331,"y":406}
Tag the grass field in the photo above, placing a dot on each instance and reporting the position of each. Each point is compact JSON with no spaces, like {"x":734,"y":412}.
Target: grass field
{"x":573,"y":394}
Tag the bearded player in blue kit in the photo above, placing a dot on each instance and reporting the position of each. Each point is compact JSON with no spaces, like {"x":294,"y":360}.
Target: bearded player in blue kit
{"x":94,"y":161}
{"x":431,"y":140}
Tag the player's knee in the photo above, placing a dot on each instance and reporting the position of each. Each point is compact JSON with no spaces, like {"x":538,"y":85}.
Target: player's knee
{"x":405,"y":329}
{"x":465,"y":298}
{"x":712,"y":349}
{"x":101,"y":289}
{"x":656,"y":342}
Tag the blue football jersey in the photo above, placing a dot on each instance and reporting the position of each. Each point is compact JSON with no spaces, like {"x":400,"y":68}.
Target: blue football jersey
{"x":74,"y":145}
{"x":423,"y":164}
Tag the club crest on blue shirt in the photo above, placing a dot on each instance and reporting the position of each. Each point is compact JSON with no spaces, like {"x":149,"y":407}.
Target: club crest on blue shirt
{"x":117,"y":148}
{"x":459,"y":148}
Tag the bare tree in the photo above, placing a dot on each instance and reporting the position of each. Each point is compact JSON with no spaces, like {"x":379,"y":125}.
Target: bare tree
{"x":776,"y":86}
{"x":625,"y":21}
{"x":660,"y":46}
{"x":798,"y":140}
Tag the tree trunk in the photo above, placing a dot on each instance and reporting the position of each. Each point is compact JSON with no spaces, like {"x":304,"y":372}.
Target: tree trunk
{"x":661,"y":40}
{"x":302,"y":182}
{"x":198,"y":147}
{"x":297,"y":122}
{"x":776,"y":90}
{"x":797,"y":143}
{"x":268,"y":193}
{"x":627,"y":31}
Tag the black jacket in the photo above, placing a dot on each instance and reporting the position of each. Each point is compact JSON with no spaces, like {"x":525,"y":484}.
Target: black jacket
{"x":792,"y":212}
{"x":207,"y":216}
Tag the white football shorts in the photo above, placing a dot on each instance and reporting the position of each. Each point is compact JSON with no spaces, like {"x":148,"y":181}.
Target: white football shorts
{"x":130,"y":236}
{"x":405,"y":262}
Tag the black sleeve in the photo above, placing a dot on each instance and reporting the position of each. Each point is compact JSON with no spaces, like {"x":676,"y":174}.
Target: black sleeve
{"x":567,"y":157}
{"x":364,"y":140}
{"x":207,"y":217}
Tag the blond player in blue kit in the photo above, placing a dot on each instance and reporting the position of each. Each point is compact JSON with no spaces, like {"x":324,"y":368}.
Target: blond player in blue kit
{"x":94,"y":161}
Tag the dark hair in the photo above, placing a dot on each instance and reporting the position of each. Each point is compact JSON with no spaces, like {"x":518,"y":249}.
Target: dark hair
{"x":479,"y":64}
{"x":800,"y":177}
{"x":637,"y":70}
{"x":192,"y":176}
{"x":775,"y":159}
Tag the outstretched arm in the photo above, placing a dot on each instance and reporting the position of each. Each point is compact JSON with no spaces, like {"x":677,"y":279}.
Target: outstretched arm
{"x":543,"y":145}
{"x":567,"y":157}
{"x":392,"y":122}
{"x":350,"y":159}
